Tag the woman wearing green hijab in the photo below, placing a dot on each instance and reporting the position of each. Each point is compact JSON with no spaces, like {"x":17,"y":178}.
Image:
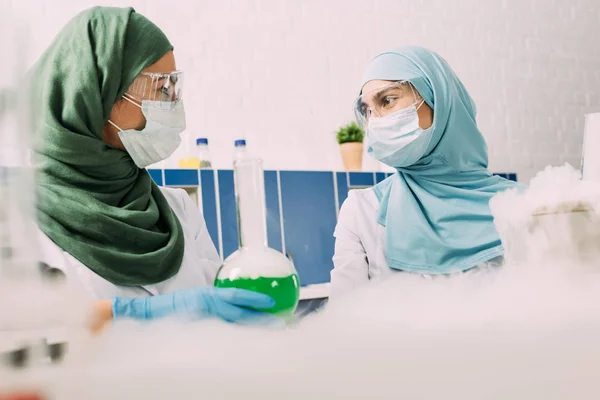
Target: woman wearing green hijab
{"x":432,"y":216}
{"x":107,"y":103}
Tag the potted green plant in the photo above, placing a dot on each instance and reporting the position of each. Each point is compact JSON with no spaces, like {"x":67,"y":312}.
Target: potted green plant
{"x":350,"y":138}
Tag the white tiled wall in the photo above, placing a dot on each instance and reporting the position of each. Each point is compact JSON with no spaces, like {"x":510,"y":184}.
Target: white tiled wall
{"x":283,"y":73}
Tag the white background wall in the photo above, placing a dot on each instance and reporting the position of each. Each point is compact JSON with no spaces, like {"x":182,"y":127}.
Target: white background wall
{"x":284,"y":73}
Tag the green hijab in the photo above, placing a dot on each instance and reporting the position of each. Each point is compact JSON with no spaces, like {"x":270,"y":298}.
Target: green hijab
{"x":92,"y":200}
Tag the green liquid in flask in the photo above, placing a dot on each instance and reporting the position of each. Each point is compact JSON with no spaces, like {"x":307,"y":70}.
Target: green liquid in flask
{"x":285,"y":291}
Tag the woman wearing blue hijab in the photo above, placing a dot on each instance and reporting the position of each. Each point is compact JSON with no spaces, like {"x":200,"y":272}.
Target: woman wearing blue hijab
{"x":432,"y":217}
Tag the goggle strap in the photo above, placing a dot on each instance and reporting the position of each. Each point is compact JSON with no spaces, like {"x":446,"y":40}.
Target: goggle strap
{"x":126,"y":97}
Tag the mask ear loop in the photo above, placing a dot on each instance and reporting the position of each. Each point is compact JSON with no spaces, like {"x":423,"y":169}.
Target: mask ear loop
{"x":115,"y":125}
{"x":126,"y":97}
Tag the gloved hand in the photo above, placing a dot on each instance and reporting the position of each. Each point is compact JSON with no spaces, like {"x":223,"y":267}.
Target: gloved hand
{"x":229,"y":304}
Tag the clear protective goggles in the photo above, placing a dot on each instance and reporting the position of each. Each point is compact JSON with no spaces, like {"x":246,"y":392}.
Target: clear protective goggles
{"x":166,"y":88}
{"x":384,"y":100}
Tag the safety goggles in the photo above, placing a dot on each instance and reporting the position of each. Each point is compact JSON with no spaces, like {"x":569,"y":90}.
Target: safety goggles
{"x":166,"y":88}
{"x":384,"y":100}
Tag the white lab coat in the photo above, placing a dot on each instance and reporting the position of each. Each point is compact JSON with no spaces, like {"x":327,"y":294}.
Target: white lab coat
{"x":199,"y":267}
{"x":360,"y":244}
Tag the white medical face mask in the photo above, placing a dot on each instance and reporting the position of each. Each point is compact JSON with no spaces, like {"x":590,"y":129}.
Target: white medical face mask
{"x":161,"y":136}
{"x":396,"y":139}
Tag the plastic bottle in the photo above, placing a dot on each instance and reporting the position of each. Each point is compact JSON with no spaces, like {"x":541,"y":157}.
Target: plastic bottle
{"x":240,"y":152}
{"x":201,"y":159}
{"x":203,"y":153}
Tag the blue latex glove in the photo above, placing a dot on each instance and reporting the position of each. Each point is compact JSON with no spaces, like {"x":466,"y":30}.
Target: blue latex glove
{"x":229,"y":304}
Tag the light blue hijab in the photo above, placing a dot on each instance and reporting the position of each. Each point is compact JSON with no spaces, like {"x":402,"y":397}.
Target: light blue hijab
{"x":436,"y":212}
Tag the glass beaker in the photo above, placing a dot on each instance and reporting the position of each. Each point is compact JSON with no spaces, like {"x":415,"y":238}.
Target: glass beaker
{"x":255,"y":266}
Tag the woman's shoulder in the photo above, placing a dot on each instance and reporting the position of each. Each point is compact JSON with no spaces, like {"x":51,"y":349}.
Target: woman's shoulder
{"x":359,"y":208}
{"x":360,"y":198}
{"x":172,"y":193}
{"x":369,"y":196}
{"x":185,"y":209}
{"x":178,"y":199}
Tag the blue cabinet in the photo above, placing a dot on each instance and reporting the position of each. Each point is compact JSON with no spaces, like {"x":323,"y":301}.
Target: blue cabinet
{"x":302,"y":209}
{"x":274,"y":220}
{"x":208,"y":199}
{"x":309,"y":218}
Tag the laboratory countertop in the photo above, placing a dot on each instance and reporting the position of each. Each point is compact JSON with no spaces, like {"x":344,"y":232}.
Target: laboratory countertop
{"x":317,"y":291}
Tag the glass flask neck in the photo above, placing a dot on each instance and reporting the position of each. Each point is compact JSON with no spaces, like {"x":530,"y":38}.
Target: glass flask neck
{"x":250,"y":199}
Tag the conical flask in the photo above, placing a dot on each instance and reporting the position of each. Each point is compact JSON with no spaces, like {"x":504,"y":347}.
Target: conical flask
{"x":255,"y":266}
